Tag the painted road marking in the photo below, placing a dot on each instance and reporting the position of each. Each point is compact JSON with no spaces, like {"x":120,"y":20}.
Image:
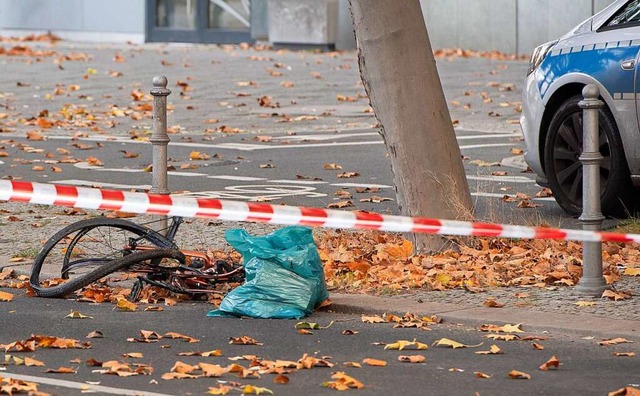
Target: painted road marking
{"x":254,"y":147}
{"x":502,"y":179}
{"x":84,"y":387}
{"x":337,"y":135}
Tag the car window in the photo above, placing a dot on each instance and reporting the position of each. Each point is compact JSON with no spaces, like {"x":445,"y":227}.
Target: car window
{"x":629,"y":14}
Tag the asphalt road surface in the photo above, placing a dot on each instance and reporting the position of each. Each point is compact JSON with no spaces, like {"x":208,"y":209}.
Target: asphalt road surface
{"x":586,"y":368}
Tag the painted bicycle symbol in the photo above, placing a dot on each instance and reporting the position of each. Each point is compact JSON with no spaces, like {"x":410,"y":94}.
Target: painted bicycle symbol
{"x":257,"y":193}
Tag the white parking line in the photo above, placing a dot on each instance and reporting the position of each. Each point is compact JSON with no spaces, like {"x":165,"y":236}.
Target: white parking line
{"x":253,"y":147}
{"x":84,"y":387}
{"x":502,"y":179}
{"x":493,"y":195}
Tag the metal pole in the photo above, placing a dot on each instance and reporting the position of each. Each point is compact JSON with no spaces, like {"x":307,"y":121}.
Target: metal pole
{"x":592,"y":281}
{"x":160,"y":140}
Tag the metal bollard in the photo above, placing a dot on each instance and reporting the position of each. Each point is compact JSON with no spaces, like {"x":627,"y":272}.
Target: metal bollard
{"x":592,"y":282}
{"x":160,"y":141}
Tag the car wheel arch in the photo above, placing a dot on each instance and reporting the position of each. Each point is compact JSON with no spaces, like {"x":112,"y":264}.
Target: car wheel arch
{"x":559,"y":96}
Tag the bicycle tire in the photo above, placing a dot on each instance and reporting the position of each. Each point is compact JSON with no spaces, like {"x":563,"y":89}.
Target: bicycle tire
{"x":98,"y":234}
{"x":106,"y":269}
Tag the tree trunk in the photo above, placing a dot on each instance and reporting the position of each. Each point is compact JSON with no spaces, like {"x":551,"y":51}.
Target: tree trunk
{"x":399,"y":73}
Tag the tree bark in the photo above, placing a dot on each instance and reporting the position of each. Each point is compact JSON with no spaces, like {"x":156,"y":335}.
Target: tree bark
{"x":399,"y":73}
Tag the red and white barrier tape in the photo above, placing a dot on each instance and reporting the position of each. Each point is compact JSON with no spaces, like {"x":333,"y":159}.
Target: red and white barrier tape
{"x":92,"y":198}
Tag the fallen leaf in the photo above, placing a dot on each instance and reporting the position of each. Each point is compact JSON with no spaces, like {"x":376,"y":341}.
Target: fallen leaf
{"x":180,"y":367}
{"x":34,"y":135}
{"x":244,"y":340}
{"x":78,"y":315}
{"x":340,"y":204}
{"x":453,"y":344}
{"x":353,"y":364}
{"x":494,"y":350}
{"x":126,"y":305}
{"x":616,"y":296}
{"x":129,"y":154}
{"x":214,"y":352}
{"x":491,"y":303}
{"x":514,"y":374}
{"x":343,"y":382}
{"x":32,"y":362}
{"x":624,"y":354}
{"x":220,"y":390}
{"x":281,"y":379}
{"x":632,"y":272}
{"x":133,"y":355}
{"x":402,"y":344}
{"x":172,"y":376}
{"x":583,"y":304}
{"x":627,"y":391}
{"x":374,"y":362}
{"x":480,"y":374}
{"x":4,"y":296}
{"x":62,"y":370}
{"x":551,"y":363}
{"x":537,"y":346}
{"x":411,"y":359}
{"x":255,"y":390}
{"x":508,"y":328}
{"x":187,"y":338}
{"x":614,"y":341}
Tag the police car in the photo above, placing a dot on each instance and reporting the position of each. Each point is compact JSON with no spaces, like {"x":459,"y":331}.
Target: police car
{"x":604,"y":50}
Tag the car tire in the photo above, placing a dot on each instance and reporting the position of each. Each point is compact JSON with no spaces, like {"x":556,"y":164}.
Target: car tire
{"x":563,"y":147}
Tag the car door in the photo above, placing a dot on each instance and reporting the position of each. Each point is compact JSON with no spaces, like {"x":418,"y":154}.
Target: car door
{"x":619,"y":39}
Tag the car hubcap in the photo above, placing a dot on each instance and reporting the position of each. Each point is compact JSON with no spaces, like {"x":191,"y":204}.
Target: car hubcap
{"x":567,"y":149}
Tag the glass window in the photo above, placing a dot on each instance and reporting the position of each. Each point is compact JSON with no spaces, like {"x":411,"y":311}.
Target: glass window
{"x":629,"y":14}
{"x":176,"y":14}
{"x":229,"y":14}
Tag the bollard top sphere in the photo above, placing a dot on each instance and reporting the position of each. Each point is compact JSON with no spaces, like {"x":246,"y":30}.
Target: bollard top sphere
{"x":160,"y":82}
{"x":591,"y":91}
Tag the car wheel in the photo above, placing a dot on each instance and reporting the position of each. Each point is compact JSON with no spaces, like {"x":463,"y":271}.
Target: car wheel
{"x":563,"y":148}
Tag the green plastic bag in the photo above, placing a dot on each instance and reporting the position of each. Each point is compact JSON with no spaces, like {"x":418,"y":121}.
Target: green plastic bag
{"x":284,"y":275}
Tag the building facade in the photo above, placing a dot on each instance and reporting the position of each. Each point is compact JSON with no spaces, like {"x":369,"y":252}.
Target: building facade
{"x":512,"y":26}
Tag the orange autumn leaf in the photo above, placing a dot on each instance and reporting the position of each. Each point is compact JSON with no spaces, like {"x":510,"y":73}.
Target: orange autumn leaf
{"x":32,"y":362}
{"x":412,"y":359}
{"x":343,"y":382}
{"x":180,"y":367}
{"x":62,"y":370}
{"x":374,"y":362}
{"x":4,"y":296}
{"x":244,"y":340}
{"x":403,"y":251}
{"x":126,"y":305}
{"x":551,"y":363}
{"x":514,"y":374}
{"x":281,"y":379}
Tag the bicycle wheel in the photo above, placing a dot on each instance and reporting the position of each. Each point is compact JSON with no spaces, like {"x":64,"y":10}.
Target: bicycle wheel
{"x":137,"y":258}
{"x":82,"y":246}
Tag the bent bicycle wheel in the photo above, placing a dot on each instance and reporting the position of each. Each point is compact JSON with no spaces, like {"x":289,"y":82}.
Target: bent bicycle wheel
{"x":81,"y":247}
{"x":138,"y":258}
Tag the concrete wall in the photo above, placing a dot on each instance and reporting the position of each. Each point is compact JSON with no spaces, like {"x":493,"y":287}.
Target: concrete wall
{"x":88,"y":19}
{"x":512,"y":26}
